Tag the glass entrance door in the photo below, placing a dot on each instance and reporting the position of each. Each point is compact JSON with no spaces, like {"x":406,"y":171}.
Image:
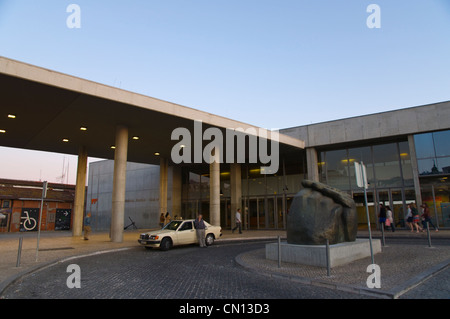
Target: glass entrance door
{"x":263,"y":212}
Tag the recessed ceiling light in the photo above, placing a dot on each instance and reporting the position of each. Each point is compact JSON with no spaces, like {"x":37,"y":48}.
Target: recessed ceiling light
{"x":11,"y":116}
{"x":113,"y":147}
{"x":83,"y":128}
{"x":2,"y":131}
{"x":135,"y":137}
{"x":157,"y":154}
{"x":65,"y":140}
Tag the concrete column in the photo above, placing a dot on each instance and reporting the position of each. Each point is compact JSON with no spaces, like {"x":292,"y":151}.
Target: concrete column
{"x":176,"y":190}
{"x":311,"y":162}
{"x":119,"y":184}
{"x":236,"y":192}
{"x":415,"y":169}
{"x":80,"y":191}
{"x":163,"y":181}
{"x":214,"y":192}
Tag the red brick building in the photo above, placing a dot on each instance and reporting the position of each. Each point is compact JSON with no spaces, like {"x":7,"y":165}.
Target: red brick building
{"x":20,"y":203}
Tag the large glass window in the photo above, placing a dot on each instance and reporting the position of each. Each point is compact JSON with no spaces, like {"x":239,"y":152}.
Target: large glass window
{"x":387,"y":165}
{"x":433,"y":152}
{"x":442,"y":143}
{"x":405,"y":159}
{"x":337,"y":169}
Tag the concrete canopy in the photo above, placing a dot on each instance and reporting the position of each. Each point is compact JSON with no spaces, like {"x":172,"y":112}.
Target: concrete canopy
{"x":51,"y":106}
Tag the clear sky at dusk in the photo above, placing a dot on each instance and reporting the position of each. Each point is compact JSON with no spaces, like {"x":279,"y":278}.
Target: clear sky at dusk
{"x":274,"y":64}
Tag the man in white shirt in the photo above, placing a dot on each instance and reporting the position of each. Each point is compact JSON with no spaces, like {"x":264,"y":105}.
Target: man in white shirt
{"x":238,"y":221}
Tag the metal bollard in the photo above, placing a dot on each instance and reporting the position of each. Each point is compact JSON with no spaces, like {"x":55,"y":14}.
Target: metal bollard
{"x":328,"y":258}
{"x":428,"y":234}
{"x":19,"y":251}
{"x":382,"y":234}
{"x":279,"y":252}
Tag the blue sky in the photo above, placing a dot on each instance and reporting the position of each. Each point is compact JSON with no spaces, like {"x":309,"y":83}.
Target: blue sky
{"x":274,"y":64}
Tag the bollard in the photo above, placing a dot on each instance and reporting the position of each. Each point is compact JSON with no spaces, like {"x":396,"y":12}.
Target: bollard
{"x":382,"y":234}
{"x":428,"y":234}
{"x":279,"y":252}
{"x":19,"y":251}
{"x":328,"y":258}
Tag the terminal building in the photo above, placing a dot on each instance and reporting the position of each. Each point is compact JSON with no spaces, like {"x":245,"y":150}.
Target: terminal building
{"x":406,"y":153}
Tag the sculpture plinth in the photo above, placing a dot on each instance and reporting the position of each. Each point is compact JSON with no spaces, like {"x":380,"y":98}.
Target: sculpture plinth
{"x":319,"y":213}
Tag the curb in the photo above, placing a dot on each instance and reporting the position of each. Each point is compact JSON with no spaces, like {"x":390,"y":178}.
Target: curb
{"x":393,"y":293}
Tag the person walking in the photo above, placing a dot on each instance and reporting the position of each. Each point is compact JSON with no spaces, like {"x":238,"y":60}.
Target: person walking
{"x":167,"y":218}
{"x":238,"y":221}
{"x":199,"y":226}
{"x":161,"y":220}
{"x":87,"y":226}
{"x":426,"y":217}
{"x":390,"y":218}
{"x":409,"y":218}
{"x":382,"y":215}
{"x":416,"y":218}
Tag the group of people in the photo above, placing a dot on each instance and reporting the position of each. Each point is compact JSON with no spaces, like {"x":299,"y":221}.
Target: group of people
{"x":413,"y":217}
{"x":164,"y":219}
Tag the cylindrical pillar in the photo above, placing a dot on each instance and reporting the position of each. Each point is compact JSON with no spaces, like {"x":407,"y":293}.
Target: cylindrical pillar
{"x":214,"y":190}
{"x":163,"y":182}
{"x":236,"y":192}
{"x":176,"y":190}
{"x":80,"y":190}
{"x":119,"y":184}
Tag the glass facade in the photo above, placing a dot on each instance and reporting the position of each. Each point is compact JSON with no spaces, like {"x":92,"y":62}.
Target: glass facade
{"x":387,"y":165}
{"x":433,"y":152}
{"x":433,"y":161}
{"x":265,"y":198}
{"x":389,"y":173}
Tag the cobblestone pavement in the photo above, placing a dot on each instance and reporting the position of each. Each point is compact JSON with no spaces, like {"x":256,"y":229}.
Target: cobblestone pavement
{"x":186,"y":273}
{"x":403,"y":263}
{"x":232,"y":268}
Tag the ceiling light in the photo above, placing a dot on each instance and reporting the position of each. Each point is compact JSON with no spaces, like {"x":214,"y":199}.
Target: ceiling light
{"x":157,"y":154}
{"x":135,"y":137}
{"x":65,"y":140}
{"x":113,"y":147}
{"x":11,"y":116}
{"x":83,"y":128}
{"x":2,"y":131}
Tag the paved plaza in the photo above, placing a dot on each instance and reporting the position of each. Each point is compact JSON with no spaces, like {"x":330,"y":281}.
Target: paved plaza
{"x":235,"y":267}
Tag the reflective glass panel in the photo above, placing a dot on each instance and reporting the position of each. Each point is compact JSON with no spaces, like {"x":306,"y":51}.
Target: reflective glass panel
{"x":424,"y":145}
{"x":387,"y":166}
{"x":442,"y":143}
{"x":338,"y":169}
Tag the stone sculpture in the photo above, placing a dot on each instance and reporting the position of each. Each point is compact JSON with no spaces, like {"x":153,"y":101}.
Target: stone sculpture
{"x":320,"y":212}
